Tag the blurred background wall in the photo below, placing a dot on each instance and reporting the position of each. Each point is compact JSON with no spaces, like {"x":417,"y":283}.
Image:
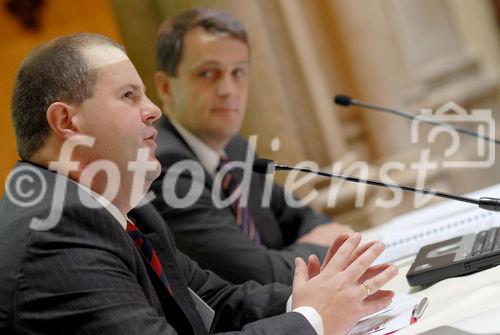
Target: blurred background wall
{"x":24,"y":25}
{"x":398,"y":53}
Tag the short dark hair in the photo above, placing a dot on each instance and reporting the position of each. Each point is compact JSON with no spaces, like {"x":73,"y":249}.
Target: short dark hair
{"x":170,"y":38}
{"x":55,"y":71}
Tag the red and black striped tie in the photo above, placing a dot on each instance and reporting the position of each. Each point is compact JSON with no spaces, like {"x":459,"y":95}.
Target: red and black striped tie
{"x":146,"y":249}
{"x":243,"y":216}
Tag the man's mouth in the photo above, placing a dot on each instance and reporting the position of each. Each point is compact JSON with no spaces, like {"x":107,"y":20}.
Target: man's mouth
{"x":151,"y":137}
{"x":225,"y":109}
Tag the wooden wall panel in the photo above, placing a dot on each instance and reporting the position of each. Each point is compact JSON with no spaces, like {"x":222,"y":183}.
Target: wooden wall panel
{"x":389,"y":52}
{"x":58,"y":17}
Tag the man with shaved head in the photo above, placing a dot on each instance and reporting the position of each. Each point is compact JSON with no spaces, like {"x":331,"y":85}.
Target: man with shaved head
{"x":76,"y":258}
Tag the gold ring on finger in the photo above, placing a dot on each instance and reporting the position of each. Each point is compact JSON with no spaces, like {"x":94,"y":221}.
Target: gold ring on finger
{"x":368,"y":292}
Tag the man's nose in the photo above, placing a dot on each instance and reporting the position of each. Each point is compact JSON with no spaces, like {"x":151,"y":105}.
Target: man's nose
{"x":226,"y":85}
{"x":150,"y":112}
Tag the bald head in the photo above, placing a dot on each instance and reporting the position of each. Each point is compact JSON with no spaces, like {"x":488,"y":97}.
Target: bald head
{"x":60,"y":70}
{"x":99,"y":55}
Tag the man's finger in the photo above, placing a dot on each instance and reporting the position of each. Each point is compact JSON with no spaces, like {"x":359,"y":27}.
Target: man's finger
{"x":334,"y":248}
{"x":356,"y":269}
{"x":340,"y":259}
{"x":373,"y":271}
{"x":360,"y":250}
{"x":300,"y":276}
{"x":375,"y":283}
{"x":313,"y":266}
{"x":380,"y":294}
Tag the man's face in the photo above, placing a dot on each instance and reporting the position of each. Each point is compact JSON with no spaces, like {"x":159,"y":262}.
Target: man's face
{"x":119,"y":115}
{"x":209,"y":94}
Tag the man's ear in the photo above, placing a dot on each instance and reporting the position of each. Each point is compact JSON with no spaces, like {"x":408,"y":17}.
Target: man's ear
{"x":163,"y":87}
{"x":60,"y":119}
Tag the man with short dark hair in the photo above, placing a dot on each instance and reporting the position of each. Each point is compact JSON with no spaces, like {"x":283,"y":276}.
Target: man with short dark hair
{"x":76,"y":259}
{"x":203,"y":61}
{"x":73,"y":84}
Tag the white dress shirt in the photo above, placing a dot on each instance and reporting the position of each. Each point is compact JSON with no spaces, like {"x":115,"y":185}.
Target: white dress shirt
{"x":112,"y":209}
{"x":208,"y":157}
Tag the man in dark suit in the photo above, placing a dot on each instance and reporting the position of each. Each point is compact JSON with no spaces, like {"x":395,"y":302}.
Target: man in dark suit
{"x":76,"y":259}
{"x":202,"y":79}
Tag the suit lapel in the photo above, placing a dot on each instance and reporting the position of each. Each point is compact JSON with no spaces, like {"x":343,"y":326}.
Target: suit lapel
{"x":166,"y":125}
{"x":155,"y":231}
{"x":169,"y":127}
{"x":178,"y":284}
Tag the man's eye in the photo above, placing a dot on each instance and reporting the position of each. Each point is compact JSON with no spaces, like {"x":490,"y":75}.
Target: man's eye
{"x":128,"y":95}
{"x":207,"y":74}
{"x":239,"y":73}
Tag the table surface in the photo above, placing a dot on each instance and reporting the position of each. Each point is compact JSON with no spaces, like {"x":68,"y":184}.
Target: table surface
{"x":469,"y":302}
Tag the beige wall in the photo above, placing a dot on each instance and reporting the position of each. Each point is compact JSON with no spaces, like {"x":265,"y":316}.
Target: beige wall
{"x":399,"y":53}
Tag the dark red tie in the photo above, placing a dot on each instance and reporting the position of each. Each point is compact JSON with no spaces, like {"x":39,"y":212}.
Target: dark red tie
{"x":146,"y":249}
{"x":243,"y":216}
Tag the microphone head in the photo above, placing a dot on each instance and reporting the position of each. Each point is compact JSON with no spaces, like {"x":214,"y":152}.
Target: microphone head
{"x":490,"y":204}
{"x":264,"y":166}
{"x":343,"y":100}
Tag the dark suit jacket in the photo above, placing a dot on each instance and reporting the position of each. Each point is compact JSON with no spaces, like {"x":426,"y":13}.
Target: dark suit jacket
{"x":210,"y":235}
{"x":85,"y":276}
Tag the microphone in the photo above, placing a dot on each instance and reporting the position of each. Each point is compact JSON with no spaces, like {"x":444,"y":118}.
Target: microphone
{"x":267,"y":166}
{"x":345,"y":100}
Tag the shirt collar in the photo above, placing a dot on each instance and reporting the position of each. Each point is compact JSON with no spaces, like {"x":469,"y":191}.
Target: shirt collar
{"x":208,"y":157}
{"x":108,"y":205}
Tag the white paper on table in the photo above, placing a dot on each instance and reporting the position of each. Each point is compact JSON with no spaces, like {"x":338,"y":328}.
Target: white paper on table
{"x":395,"y":317}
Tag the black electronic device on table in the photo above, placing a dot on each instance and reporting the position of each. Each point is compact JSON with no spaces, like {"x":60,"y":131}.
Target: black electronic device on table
{"x":455,"y":257}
